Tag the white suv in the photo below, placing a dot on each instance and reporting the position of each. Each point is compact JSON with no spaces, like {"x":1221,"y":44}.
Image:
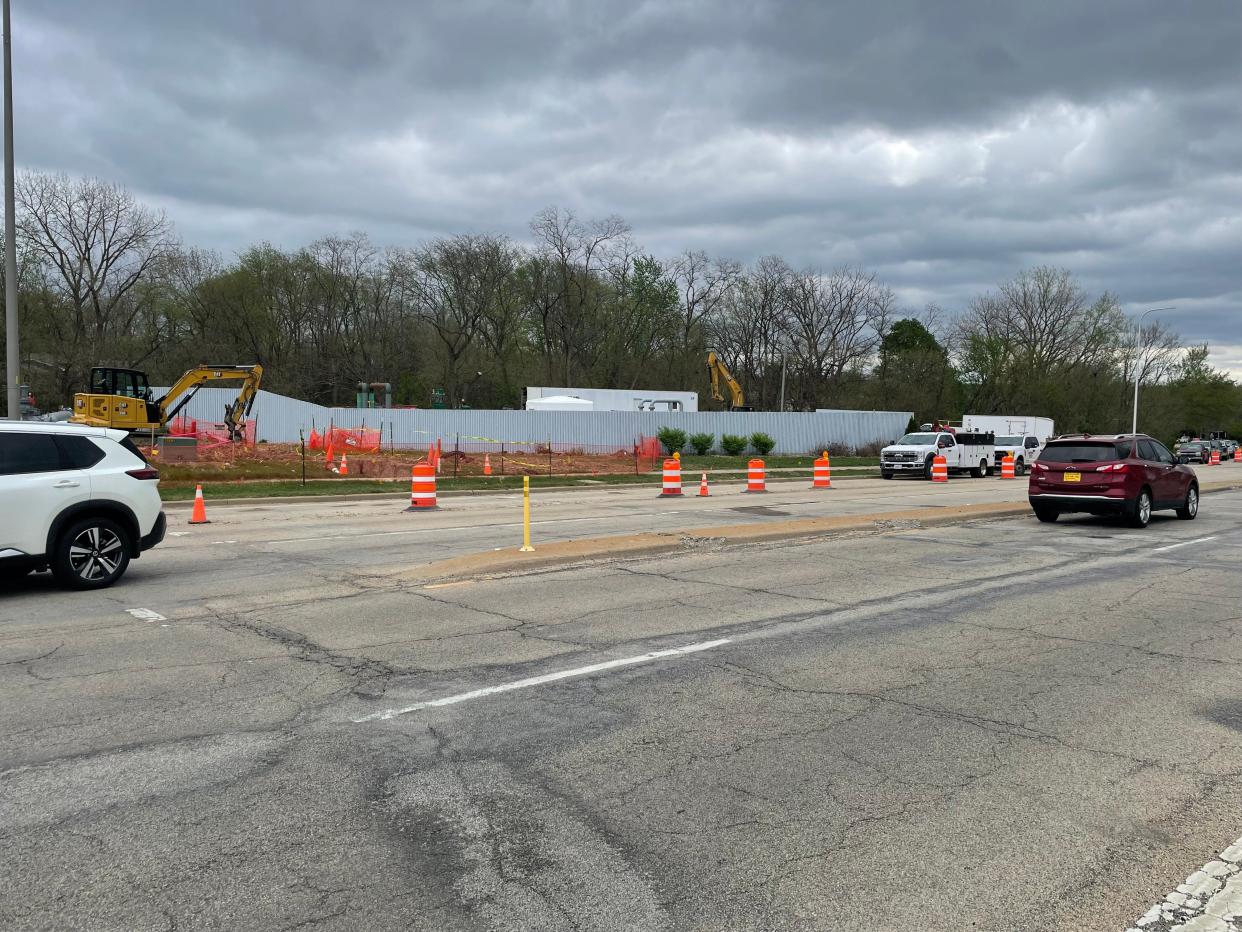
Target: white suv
{"x":80,"y":500}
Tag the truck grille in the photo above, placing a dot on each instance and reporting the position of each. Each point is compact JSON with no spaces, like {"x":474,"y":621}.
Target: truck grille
{"x":900,"y":457}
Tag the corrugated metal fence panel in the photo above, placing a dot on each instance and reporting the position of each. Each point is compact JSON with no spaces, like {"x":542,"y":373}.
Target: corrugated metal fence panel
{"x":280,"y":418}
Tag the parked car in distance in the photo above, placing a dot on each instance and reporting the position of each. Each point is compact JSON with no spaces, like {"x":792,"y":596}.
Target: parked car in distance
{"x":81,"y":501}
{"x":1128,"y":475}
{"x":1193,"y":451}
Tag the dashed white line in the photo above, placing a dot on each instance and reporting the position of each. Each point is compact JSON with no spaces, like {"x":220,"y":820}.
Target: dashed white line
{"x":145,"y":614}
{"x":545,"y":678}
{"x":1185,"y":543}
{"x":1210,"y":899}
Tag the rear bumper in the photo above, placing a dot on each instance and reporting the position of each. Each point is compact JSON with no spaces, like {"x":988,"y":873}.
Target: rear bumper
{"x":1091,"y":504}
{"x":156,"y":535}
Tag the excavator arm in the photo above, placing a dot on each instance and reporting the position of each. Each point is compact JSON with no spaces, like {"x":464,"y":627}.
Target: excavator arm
{"x":719,"y":372}
{"x":234,"y":414}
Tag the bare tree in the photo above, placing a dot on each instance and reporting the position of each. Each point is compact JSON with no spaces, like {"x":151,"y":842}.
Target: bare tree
{"x":835,"y":326}
{"x":102,"y":253}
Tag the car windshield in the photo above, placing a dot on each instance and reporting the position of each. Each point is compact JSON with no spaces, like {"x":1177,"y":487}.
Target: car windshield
{"x":1009,"y":441}
{"x":918,"y":440}
{"x":1085,"y":451}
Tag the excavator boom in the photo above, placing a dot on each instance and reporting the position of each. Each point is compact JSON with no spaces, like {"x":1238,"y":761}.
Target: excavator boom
{"x":188,"y":385}
{"x":718,"y":372}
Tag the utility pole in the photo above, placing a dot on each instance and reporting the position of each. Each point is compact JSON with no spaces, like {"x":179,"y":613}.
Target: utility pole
{"x":783,"y":365}
{"x":12,"y":377}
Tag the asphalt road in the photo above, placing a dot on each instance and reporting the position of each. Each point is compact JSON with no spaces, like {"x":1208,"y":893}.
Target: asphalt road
{"x":997,"y":725}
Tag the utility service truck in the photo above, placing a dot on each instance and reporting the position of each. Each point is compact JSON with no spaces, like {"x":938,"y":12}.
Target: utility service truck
{"x":964,"y":451}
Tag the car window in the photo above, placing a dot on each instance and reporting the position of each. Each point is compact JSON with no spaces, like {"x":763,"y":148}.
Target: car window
{"x":1147,"y":451}
{"x":78,"y":452}
{"x":26,"y":453}
{"x":129,"y":445}
{"x":1031,"y":443}
{"x":1085,"y":451}
{"x":1162,"y":452}
{"x":946,"y":441}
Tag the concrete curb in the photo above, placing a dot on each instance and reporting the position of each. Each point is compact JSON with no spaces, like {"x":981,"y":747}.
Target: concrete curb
{"x":584,"y":550}
{"x":564,"y":553}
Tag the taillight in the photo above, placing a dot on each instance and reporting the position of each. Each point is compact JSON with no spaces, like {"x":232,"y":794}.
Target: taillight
{"x":1039,"y":466}
{"x":147,"y":473}
{"x":1111,"y":467}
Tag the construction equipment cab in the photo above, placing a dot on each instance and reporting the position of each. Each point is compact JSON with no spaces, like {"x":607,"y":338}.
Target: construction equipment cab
{"x":122,"y":398}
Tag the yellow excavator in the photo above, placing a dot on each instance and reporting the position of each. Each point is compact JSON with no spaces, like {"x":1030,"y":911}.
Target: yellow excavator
{"x":122,"y":398}
{"x":718,"y":372}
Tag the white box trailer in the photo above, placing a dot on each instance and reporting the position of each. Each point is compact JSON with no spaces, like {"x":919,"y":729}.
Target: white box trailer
{"x":1010,"y":425}
{"x":619,"y":399}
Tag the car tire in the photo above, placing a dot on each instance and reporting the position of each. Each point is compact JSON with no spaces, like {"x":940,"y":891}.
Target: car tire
{"x":927,"y":469}
{"x":1047,"y":515}
{"x":1019,"y":467}
{"x":91,"y":554}
{"x":1138,"y":513}
{"x":979,"y":471}
{"x":1190,"y":509}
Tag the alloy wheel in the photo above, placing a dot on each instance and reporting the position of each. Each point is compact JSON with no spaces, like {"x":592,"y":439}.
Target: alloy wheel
{"x":95,"y":553}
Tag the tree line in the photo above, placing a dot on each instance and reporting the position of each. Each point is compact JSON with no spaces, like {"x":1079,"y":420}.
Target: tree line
{"x":475,"y":317}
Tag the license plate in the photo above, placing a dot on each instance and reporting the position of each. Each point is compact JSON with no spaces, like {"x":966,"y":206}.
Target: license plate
{"x":1073,"y":477}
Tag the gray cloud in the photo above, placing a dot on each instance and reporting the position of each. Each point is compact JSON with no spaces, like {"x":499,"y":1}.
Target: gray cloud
{"x":944,"y":145}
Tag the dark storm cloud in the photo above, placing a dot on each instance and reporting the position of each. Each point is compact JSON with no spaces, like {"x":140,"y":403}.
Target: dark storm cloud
{"x":944,"y":145}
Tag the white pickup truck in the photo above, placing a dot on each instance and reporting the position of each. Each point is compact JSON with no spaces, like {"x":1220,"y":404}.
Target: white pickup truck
{"x":963,"y":451}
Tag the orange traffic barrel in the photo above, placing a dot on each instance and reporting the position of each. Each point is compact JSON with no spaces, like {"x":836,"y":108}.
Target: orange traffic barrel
{"x":1215,"y":458}
{"x":755,"y":480}
{"x":422,"y":487}
{"x":940,"y":469}
{"x":823,"y":473}
{"x":672,"y":477}
{"x":1237,"y":455}
{"x":1007,"y":470}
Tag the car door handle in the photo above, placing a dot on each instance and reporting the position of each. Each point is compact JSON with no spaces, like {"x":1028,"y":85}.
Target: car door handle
{"x":66,"y":484}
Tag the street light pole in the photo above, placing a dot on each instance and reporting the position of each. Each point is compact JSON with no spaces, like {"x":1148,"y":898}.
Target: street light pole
{"x":1138,"y":369}
{"x":12,"y":377}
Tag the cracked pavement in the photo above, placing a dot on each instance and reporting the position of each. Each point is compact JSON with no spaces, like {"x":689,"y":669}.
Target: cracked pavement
{"x":994,"y":725}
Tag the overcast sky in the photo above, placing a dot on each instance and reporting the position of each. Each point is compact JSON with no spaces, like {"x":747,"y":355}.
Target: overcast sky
{"x":943,"y":145}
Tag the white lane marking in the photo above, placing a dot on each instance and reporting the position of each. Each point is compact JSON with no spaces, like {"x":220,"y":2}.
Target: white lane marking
{"x":1185,"y":543}
{"x":545,"y":678}
{"x":145,"y":614}
{"x":1209,"y":900}
{"x":178,"y":533}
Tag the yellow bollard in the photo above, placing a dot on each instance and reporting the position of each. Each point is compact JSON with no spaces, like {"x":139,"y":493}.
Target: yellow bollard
{"x":526,"y":547}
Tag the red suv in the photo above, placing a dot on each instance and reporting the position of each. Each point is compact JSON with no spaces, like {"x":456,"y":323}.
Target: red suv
{"x":1130,"y":475}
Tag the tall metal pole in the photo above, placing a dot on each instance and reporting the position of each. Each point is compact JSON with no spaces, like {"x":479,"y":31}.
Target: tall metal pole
{"x":12,"y":377}
{"x":1140,"y":365}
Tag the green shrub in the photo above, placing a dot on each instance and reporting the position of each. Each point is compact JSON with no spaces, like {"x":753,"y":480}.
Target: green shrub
{"x":702,"y":443}
{"x":733,"y":444}
{"x":672,"y":438}
{"x":762,"y":443}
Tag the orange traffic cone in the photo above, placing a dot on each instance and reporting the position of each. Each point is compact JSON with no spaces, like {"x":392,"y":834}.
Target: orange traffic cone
{"x":199,"y":514}
{"x":344,"y":470}
{"x":703,"y":493}
{"x":327,"y":456}
{"x":487,"y":464}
